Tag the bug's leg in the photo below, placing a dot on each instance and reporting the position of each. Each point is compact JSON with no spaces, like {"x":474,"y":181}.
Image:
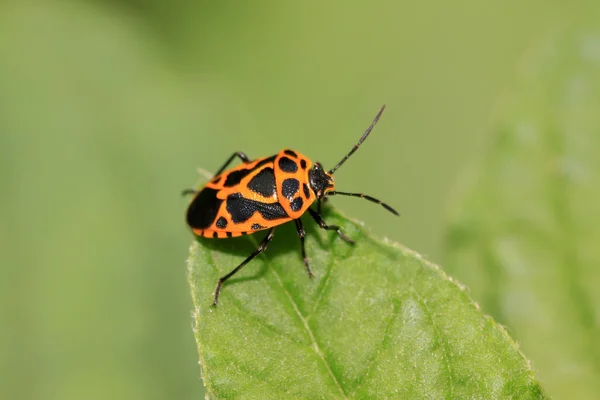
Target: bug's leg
{"x":242,"y":156}
{"x":301,"y":235}
{"x":239,"y":154}
{"x":317,"y":217}
{"x":320,"y":202}
{"x":262,"y":247}
{"x":185,"y":192}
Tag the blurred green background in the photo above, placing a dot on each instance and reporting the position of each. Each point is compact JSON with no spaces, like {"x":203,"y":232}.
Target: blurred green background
{"x":107,"y":108}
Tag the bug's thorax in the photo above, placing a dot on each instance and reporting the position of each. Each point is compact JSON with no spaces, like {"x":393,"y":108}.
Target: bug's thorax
{"x":320,"y":181}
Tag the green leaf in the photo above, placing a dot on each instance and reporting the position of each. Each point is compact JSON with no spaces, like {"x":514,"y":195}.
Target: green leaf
{"x":525,"y":235}
{"x":377,"y":321}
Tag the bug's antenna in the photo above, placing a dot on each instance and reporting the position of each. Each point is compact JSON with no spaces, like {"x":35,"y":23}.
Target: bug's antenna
{"x":362,"y":139}
{"x":364,"y":196}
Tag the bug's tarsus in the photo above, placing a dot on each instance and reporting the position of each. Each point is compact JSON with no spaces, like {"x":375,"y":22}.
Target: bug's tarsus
{"x":185,"y":192}
{"x":301,"y":235}
{"x":364,"y":196}
{"x":241,"y":155}
{"x":360,"y":141}
{"x":261,"y":247}
{"x":319,"y":220}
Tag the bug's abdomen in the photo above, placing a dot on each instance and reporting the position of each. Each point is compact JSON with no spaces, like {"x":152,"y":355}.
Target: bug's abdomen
{"x":249,"y":205}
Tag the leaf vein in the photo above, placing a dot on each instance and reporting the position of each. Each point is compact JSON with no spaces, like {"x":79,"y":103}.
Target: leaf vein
{"x":439,"y":338}
{"x":324,"y":285}
{"x":385,"y":340}
{"x":315,"y":344}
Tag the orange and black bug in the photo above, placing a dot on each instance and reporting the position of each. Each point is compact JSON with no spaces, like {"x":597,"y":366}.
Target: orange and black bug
{"x":261,"y":194}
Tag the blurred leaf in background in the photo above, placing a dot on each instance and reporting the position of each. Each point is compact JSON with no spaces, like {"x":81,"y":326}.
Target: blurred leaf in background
{"x":93,"y":242}
{"x":107,"y":108}
{"x":525,"y":236}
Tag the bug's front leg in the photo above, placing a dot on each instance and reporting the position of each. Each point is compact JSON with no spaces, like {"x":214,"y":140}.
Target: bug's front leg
{"x":317,"y":217}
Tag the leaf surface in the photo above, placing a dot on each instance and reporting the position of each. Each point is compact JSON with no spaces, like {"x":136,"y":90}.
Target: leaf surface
{"x":377,"y":321}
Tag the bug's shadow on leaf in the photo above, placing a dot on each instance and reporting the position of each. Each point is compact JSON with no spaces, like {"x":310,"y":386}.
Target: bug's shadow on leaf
{"x":285,"y":242}
{"x":241,"y":247}
{"x":327,"y":238}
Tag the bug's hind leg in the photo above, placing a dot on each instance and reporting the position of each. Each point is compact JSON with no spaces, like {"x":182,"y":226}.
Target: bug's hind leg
{"x":301,"y":235}
{"x":261,"y":247}
{"x":242,"y":156}
{"x":317,"y":217}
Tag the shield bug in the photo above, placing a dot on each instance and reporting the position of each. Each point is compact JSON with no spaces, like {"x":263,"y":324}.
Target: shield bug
{"x":261,"y":194}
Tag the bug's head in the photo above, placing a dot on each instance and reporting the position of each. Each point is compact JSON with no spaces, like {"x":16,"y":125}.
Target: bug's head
{"x":320,"y":181}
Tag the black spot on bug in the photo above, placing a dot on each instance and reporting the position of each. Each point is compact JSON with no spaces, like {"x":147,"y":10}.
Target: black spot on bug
{"x":244,"y":233}
{"x":263,"y":183}
{"x":265,"y":161}
{"x":290,"y":187}
{"x":235,"y":177}
{"x":221,"y":223}
{"x":241,"y":209}
{"x":203,"y":209}
{"x":306,"y":191}
{"x":303,"y":164}
{"x":291,"y":153}
{"x":297,"y":204}
{"x":215,"y":235}
{"x":287,"y":165}
{"x":256,"y":227}
{"x":229,"y":234}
